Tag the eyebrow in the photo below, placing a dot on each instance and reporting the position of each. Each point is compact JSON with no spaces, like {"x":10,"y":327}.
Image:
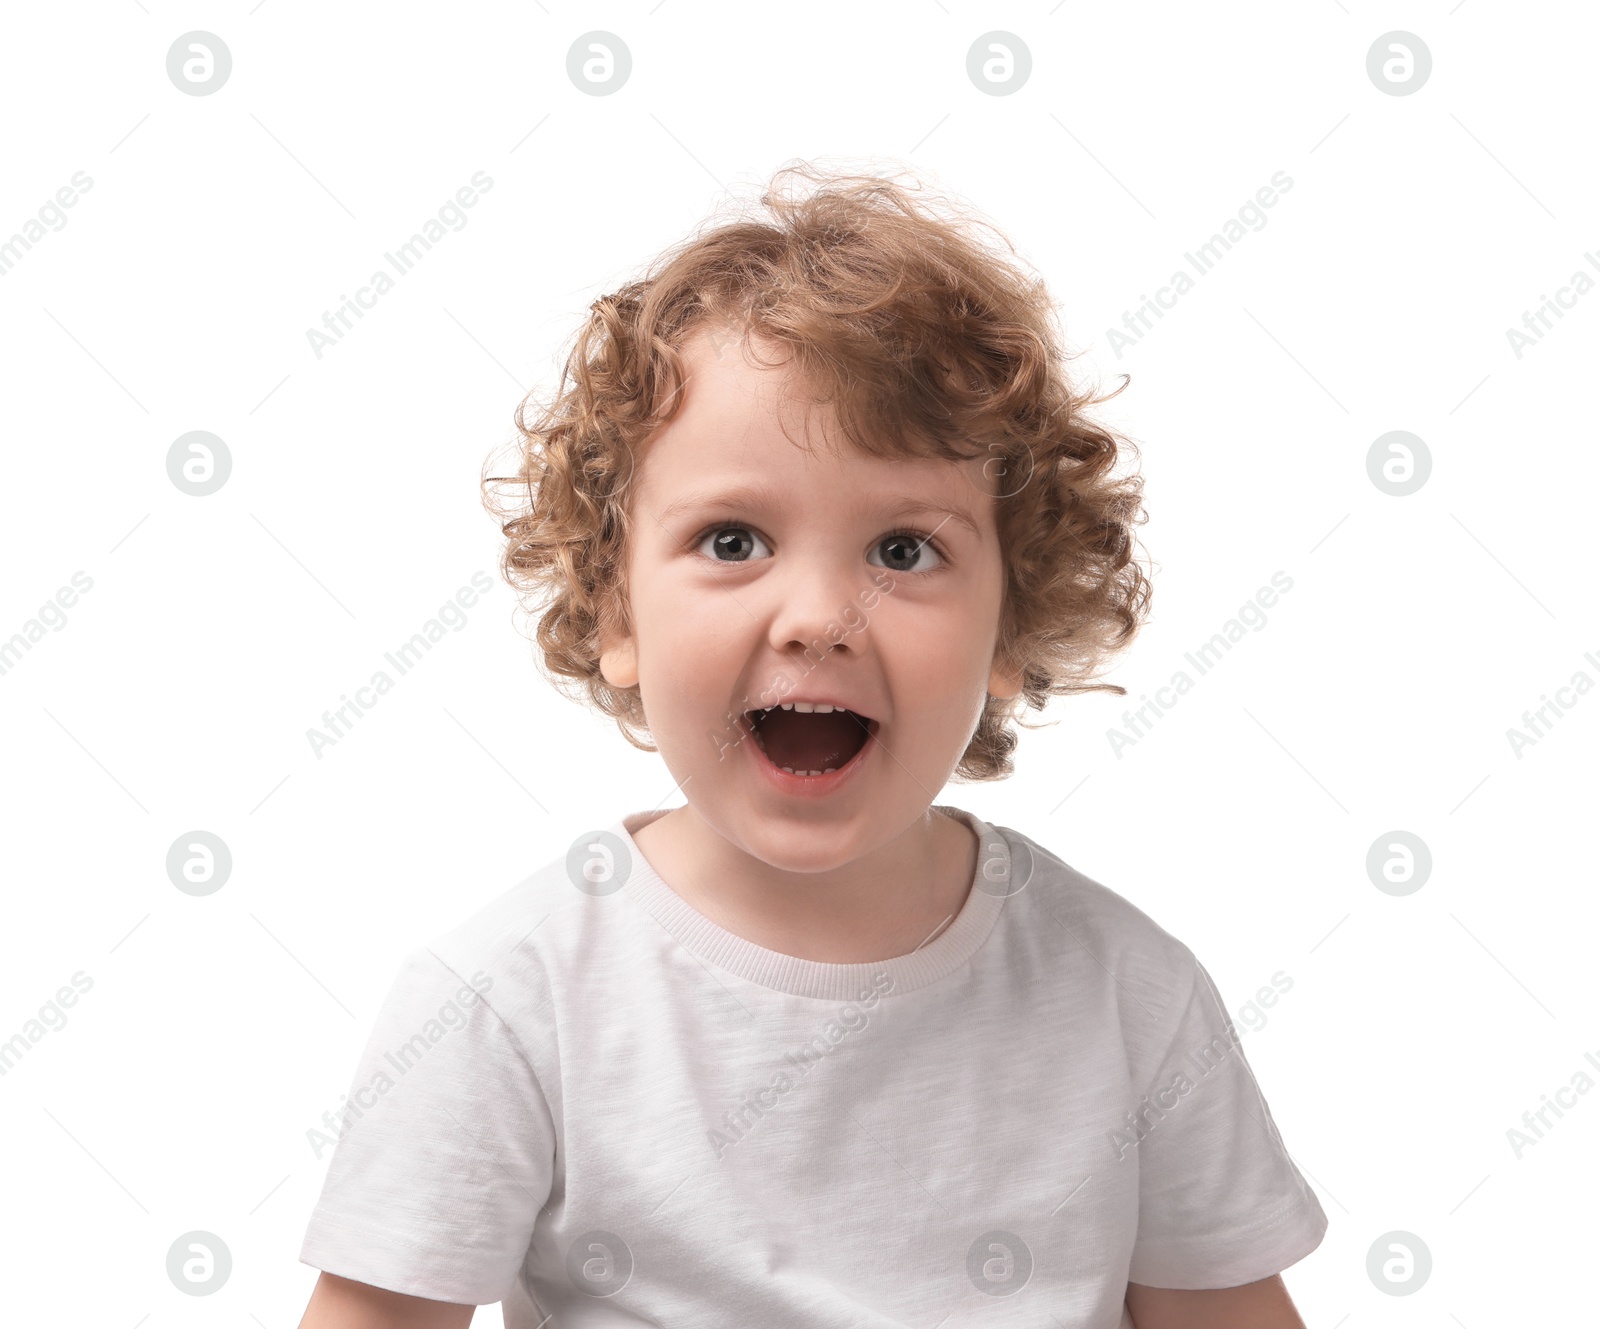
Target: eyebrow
{"x":755,"y":497}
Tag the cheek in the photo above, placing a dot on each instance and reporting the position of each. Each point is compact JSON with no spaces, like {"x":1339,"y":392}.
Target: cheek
{"x":937,"y":657}
{"x":675,"y":643}
{"x":687,"y":633}
{"x":941,"y":635}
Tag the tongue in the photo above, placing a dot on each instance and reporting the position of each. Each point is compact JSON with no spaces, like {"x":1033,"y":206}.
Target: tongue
{"x":809,"y":741}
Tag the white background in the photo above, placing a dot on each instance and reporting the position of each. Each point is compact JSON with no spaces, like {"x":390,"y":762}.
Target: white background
{"x":178,"y":695}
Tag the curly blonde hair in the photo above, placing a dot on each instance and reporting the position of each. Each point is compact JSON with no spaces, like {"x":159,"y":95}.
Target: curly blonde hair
{"x":926,"y":343}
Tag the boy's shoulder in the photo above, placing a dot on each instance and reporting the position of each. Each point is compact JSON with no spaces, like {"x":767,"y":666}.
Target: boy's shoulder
{"x":508,"y":928}
{"x":1113,"y":929}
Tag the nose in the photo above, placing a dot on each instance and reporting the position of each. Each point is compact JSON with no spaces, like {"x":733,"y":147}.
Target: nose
{"x":820,"y":602}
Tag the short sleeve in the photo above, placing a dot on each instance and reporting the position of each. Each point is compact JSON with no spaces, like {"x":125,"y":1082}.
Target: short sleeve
{"x":442,"y":1155}
{"x":1220,"y":1201}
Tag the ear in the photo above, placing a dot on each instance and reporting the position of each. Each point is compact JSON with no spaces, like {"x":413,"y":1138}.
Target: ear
{"x":1004,"y":682}
{"x":619,"y":660}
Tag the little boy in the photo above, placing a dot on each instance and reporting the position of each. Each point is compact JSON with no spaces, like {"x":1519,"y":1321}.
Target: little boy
{"x":812,"y":1051}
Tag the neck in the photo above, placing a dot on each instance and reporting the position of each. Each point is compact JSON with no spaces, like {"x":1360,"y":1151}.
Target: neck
{"x":888,"y":902}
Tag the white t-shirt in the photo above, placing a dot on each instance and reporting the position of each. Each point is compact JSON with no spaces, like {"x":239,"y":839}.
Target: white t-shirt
{"x":591,"y":1102}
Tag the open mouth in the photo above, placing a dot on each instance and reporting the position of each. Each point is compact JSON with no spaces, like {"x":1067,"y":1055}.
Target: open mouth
{"x":814,"y":742}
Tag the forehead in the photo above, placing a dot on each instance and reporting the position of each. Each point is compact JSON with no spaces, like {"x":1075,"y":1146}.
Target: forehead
{"x":747,"y":419}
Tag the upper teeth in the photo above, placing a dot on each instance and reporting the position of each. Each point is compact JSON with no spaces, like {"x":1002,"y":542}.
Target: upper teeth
{"x":821,"y":707}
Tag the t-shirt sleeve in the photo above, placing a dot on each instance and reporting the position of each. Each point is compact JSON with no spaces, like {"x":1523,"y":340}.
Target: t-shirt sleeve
{"x":433,"y":1189}
{"x":1220,"y":1201}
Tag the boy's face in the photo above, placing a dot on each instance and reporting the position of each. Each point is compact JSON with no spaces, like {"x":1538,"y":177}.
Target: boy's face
{"x":741,"y":603}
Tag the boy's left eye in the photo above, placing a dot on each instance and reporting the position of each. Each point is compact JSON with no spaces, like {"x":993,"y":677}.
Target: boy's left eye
{"x":911,"y":545}
{"x":912,"y":548}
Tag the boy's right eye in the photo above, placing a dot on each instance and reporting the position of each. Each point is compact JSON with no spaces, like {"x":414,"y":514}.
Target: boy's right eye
{"x":730,"y":544}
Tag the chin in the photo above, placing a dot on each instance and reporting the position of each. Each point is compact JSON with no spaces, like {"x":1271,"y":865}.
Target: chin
{"x":804,"y":840}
